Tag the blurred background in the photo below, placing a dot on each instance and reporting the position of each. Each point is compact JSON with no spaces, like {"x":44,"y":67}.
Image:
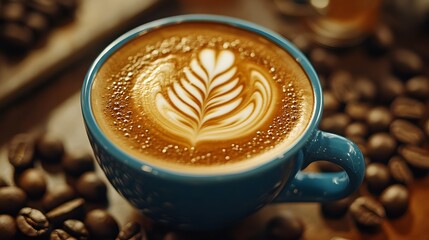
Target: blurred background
{"x":372,"y":58}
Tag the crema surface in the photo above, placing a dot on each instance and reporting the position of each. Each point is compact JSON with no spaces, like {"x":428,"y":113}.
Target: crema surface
{"x":201,"y":94}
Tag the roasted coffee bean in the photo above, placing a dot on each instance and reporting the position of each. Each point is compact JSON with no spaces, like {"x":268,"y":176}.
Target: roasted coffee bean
{"x":284,"y":226}
{"x":415,"y":156}
{"x":418,"y":87}
{"x":12,"y":199}
{"x":406,"y":132}
{"x":50,"y":148}
{"x":343,"y":86}
{"x":357,"y":111}
{"x":400,"y":171}
{"x":335,"y":209}
{"x":49,"y":8}
{"x":330,"y":104}
{"x":395,"y":200}
{"x":16,"y":38}
{"x":379,"y":119}
{"x":76,"y":229}
{"x":101,"y":225}
{"x":323,"y":61}
{"x":381,"y":147}
{"x":91,"y":187}
{"x":380,"y":40}
{"x":390,"y":88}
{"x":130,"y":231}
{"x":406,"y":63}
{"x":377,"y":177}
{"x":366,"y":88}
{"x":335,"y":123}
{"x":59,"y":234}
{"x":58,"y":196}
{"x":33,"y":182}
{"x":74,"y":209}
{"x":7,"y":227}
{"x":37,"y":22}
{"x":67,"y":7}
{"x":21,"y":151}
{"x":367,"y":212}
{"x":409,"y":108}
{"x":356,"y":129}
{"x":12,"y":11}
{"x":76,"y":165}
{"x":32,"y":223}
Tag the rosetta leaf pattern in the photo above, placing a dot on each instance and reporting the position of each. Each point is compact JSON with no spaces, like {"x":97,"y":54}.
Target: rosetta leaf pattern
{"x":210,"y":101}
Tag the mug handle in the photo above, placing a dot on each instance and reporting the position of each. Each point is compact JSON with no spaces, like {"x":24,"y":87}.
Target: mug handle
{"x":319,"y":187}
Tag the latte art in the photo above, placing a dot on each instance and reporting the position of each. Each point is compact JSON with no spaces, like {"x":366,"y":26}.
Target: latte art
{"x":214,"y":100}
{"x":201,"y":94}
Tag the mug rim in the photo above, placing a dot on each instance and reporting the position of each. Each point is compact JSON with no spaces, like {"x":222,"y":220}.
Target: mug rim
{"x":92,"y":126}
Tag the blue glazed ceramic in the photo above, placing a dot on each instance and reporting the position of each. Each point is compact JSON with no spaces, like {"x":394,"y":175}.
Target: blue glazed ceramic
{"x":201,"y":202}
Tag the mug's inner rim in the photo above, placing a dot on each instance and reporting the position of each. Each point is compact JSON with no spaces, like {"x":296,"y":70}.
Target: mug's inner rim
{"x":279,"y":152}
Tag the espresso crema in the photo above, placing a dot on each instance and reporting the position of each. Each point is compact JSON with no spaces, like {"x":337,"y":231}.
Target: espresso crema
{"x":201,"y":94}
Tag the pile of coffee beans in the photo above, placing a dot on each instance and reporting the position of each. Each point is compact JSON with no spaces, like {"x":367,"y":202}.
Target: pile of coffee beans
{"x":24,"y":24}
{"x":75,"y":208}
{"x":387,"y":117}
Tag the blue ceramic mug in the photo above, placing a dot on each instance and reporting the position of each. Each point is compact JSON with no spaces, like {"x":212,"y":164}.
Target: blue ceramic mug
{"x":207,"y":201}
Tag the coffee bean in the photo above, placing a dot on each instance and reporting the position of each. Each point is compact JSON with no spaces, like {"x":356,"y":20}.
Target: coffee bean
{"x":37,"y":22}
{"x":356,"y":129}
{"x":406,"y":63}
{"x":357,"y":111}
{"x":330,"y":104}
{"x":343,"y":86}
{"x":380,"y":40}
{"x":7,"y":227}
{"x":335,"y":123}
{"x":284,"y":226}
{"x":57,"y":197}
{"x":395,"y":200}
{"x":101,"y":224}
{"x":59,"y":234}
{"x":366,"y":88}
{"x":12,"y":199}
{"x":76,"y":229}
{"x":418,"y":87}
{"x":335,"y":209}
{"x":76,"y":165}
{"x":367,"y":212}
{"x":130,"y":231}
{"x":21,"y":151}
{"x":379,"y":119}
{"x":415,"y":156}
{"x":49,"y":8}
{"x":408,"y":108}
{"x":91,"y":187}
{"x":400,"y":171}
{"x":323,"y":61}
{"x":390,"y":88}
{"x":406,"y":132}
{"x":377,"y":177}
{"x":381,"y":147}
{"x":67,"y":7}
{"x":33,"y":182}
{"x":12,"y":11}
{"x":32,"y":223}
{"x":16,"y":38}
{"x":49,"y":148}
{"x":74,"y":209}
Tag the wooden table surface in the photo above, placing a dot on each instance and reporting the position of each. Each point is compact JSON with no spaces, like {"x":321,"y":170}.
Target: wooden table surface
{"x":54,"y":107}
